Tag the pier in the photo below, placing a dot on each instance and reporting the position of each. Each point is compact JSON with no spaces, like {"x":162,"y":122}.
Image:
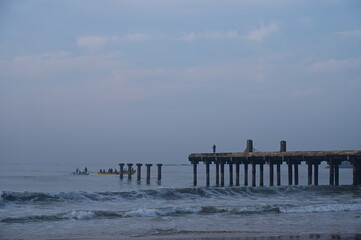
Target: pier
{"x":274,"y":160}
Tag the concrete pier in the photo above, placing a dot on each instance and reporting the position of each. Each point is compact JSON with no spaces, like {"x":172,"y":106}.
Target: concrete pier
{"x":159,"y":172}
{"x":121,"y":170}
{"x":148,"y":172}
{"x":293,"y":159}
{"x":130,"y":165}
{"x":139,"y":171}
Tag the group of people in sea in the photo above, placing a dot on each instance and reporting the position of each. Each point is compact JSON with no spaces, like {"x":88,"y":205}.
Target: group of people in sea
{"x":110,"y":170}
{"x":78,"y":171}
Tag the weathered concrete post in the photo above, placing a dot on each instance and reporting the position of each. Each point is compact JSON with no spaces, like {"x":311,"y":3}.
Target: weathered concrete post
{"x":230,"y":174}
{"x":337,"y":164}
{"x":159,"y":165}
{"x":261,"y":174}
{"x":356,"y":169}
{"x":130,"y":170}
{"x":195,"y":173}
{"x":271,"y":174}
{"x":207,"y":174}
{"x":309,"y":172}
{"x":289,"y":172}
{"x":253,"y":174}
{"x":217,"y":173}
{"x":283,"y":146}
{"x":332,"y":172}
{"x":249,"y":146}
{"x":139,"y":173}
{"x":245,"y":174}
{"x":222,"y":174}
{"x":296,"y":173}
{"x":148,"y":172}
{"x":278,"y":174}
{"x":237,"y":173}
{"x":121,"y":170}
{"x":315,"y":180}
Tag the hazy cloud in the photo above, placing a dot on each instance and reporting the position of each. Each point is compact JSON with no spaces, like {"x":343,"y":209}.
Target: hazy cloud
{"x":333,"y":65}
{"x":354,"y":33}
{"x":263,"y":31}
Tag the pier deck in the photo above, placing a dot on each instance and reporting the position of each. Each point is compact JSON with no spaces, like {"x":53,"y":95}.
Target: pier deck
{"x":292,"y":159}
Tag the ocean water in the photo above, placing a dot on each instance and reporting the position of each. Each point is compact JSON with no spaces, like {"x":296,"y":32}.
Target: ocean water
{"x":48,"y":202}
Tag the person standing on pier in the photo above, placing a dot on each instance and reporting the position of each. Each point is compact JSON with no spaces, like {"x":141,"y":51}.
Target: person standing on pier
{"x":214,"y":148}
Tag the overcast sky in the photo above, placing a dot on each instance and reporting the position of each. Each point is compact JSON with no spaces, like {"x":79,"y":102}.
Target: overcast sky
{"x":156,"y":80}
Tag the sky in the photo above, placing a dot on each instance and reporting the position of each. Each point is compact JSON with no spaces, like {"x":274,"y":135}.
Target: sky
{"x":155,"y":80}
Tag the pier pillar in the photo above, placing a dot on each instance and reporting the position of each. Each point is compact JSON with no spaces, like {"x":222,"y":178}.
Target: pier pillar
{"x":261,"y":174}
{"x":207,"y":174}
{"x":309,"y":173}
{"x":139,"y":167}
{"x":246,"y":174}
{"x":283,"y":146}
{"x":296,"y":173}
{"x":217,"y":173}
{"x":253,"y":174}
{"x":289,"y":173}
{"x":337,"y":164}
{"x":195,"y":173}
{"x":271,"y":174}
{"x":148,"y":172}
{"x":356,"y":167}
{"x":315,"y":175}
{"x":121,"y":170}
{"x":159,"y":165}
{"x":278,"y":174}
{"x":130,"y":171}
{"x":332,"y":173}
{"x":249,"y":146}
{"x":237,"y":174}
{"x":222,"y":174}
{"x":230,"y":174}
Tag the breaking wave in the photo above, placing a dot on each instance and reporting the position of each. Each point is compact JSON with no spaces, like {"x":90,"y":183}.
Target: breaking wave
{"x":177,"y":211}
{"x":170,"y":194}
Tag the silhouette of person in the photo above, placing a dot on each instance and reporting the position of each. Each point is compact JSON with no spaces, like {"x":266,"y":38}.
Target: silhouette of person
{"x":214,"y":148}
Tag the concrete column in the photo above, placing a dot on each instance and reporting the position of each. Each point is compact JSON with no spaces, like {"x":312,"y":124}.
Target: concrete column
{"x":207,"y":174}
{"x":283,"y":146}
{"x":121,"y":170}
{"x":356,"y":172}
{"x":246,"y":174}
{"x":230,"y":174}
{"x":296,"y":173}
{"x":249,"y":146}
{"x":261,"y":174}
{"x":289,"y":173}
{"x":271,"y":174}
{"x":222,"y":174}
{"x":130,"y":170}
{"x":309,"y":173}
{"x":237,"y":174}
{"x":159,"y":165}
{"x":195,"y":173}
{"x":332,"y":173}
{"x":337,"y":173}
{"x":253,"y":174}
{"x":315,"y":180}
{"x":148,"y":172}
{"x":278,"y":174}
{"x":139,"y":173}
{"x":217,"y":173}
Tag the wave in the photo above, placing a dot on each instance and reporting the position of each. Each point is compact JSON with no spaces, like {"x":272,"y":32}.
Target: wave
{"x":177,"y":211}
{"x":174,"y":194}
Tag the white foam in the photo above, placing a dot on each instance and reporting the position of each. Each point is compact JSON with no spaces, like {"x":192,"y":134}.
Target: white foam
{"x":80,"y":214}
{"x":322,"y":208}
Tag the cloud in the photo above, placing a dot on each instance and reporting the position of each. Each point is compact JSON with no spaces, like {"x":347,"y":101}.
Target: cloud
{"x":263,"y":31}
{"x":96,"y":42}
{"x":354,"y":33}
{"x":333,"y":65}
{"x":210,"y":35}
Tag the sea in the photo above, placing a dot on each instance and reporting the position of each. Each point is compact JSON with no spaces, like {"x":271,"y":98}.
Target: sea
{"x":46,"y":201}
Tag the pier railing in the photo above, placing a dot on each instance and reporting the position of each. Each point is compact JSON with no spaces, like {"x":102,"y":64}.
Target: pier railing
{"x":274,"y":159}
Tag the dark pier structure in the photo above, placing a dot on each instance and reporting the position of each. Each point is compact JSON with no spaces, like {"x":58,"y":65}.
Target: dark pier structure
{"x":274,"y":160}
